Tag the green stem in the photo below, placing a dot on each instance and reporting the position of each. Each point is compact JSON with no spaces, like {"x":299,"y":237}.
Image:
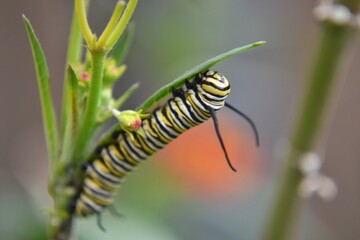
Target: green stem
{"x":353,"y":5}
{"x":89,"y":117}
{"x":64,"y":188}
{"x":307,"y":129}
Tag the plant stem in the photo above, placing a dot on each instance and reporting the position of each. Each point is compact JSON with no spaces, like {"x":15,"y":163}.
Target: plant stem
{"x":307,"y":129}
{"x":353,"y":5}
{"x":89,"y":117}
{"x":65,"y":186}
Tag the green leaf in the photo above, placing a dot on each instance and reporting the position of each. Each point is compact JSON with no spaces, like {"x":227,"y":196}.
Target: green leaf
{"x":166,"y":90}
{"x":121,"y":48}
{"x":47,"y":106}
{"x":71,"y":111}
{"x":112,"y":23}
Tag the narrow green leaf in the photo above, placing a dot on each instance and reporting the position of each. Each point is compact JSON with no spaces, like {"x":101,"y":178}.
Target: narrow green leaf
{"x":120,"y":27}
{"x":74,"y":99}
{"x":75,"y":40}
{"x":121,"y":48}
{"x":80,"y":10}
{"x":165,"y":90}
{"x":47,"y":106}
{"x":72,"y":113}
{"x":112,"y":23}
{"x":120,"y":101}
{"x":74,"y":51}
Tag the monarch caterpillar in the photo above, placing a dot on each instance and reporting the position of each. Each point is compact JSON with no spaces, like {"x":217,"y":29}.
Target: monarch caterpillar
{"x":193,"y":103}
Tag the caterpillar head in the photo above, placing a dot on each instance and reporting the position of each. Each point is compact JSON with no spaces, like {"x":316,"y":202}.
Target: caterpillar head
{"x":213,"y":87}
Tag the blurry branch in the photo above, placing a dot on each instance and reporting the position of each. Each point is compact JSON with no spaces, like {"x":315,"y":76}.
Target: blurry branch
{"x":335,"y":37}
{"x":353,"y":5}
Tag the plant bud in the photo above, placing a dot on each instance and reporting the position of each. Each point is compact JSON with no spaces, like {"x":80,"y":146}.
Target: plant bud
{"x":130,"y":121}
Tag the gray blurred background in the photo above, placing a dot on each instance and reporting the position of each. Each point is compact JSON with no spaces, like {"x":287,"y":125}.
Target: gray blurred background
{"x":160,"y":201}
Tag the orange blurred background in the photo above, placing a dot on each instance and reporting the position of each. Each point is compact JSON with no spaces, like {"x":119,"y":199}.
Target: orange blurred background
{"x":197,"y":160}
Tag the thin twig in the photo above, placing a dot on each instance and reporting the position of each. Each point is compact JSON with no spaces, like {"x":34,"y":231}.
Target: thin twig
{"x":308,"y":127}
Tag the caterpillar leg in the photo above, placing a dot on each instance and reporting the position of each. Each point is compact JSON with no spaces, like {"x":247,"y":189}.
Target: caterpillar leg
{"x":189,"y":85}
{"x":99,"y":222}
{"x":84,"y":166}
{"x":72,"y":205}
{"x":114,"y":212}
{"x":177,"y":92}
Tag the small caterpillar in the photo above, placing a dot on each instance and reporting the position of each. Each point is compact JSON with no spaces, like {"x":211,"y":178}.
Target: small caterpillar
{"x":192,"y":104}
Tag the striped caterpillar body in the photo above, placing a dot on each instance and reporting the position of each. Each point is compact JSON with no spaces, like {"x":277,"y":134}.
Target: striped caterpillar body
{"x":190,"y":105}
